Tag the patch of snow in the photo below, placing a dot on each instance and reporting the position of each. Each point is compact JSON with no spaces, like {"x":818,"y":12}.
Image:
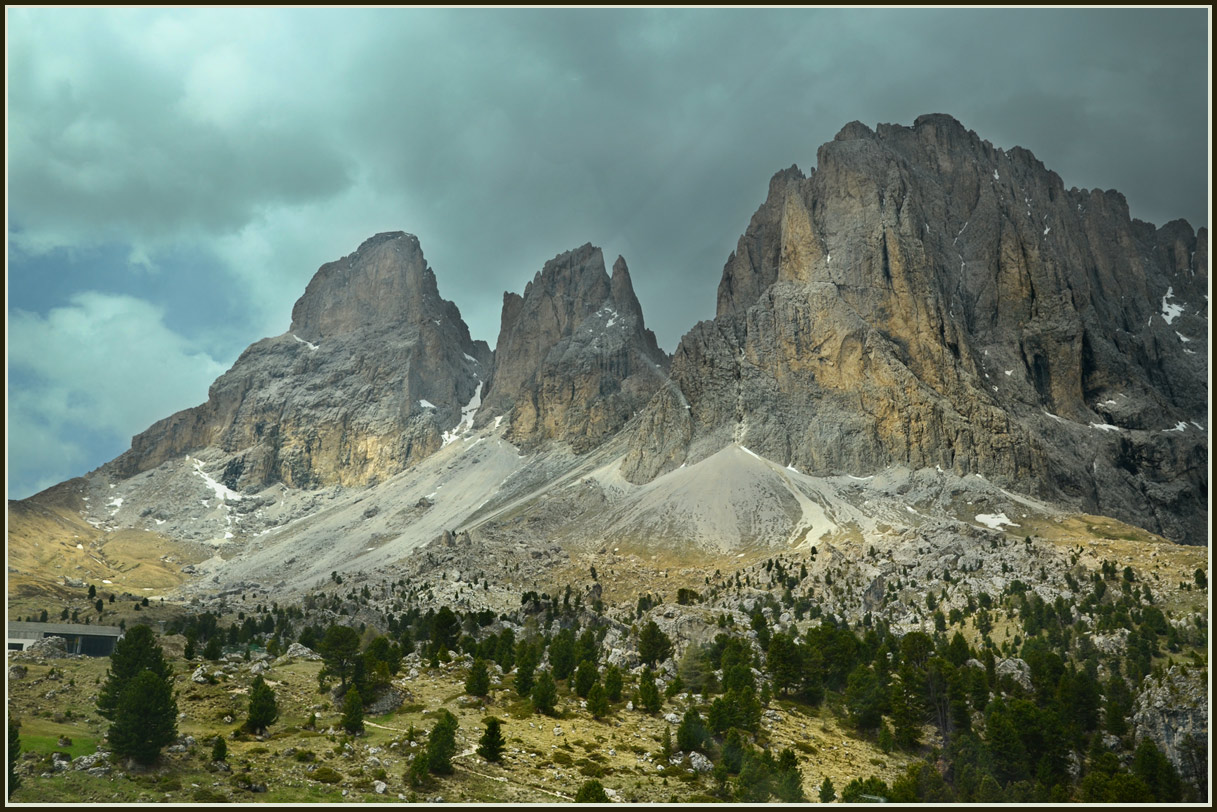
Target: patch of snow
{"x":1108,"y":402}
{"x":750,"y":452}
{"x":957,"y":236}
{"x":1046,"y":230}
{"x":792,"y":468}
{"x":1055,"y":417}
{"x":861,"y":478}
{"x":1170,"y":312}
{"x":79,"y":546}
{"x":426,"y":404}
{"x":909,"y":508}
{"x":467,"y":413}
{"x":995,"y":175}
{"x":828,"y":261}
{"x":221,"y":491}
{"x":309,"y":344}
{"x":1197,"y":425}
{"x":1182,"y":337}
{"x":1009,"y":372}
{"x":741,"y":555}
{"x":115,"y":503}
{"x":497,"y":420}
{"x":105,"y":581}
{"x":160,"y":521}
{"x":938,"y":468}
{"x":1180,"y":426}
{"x":995,"y":520}
{"x":469,"y":357}
{"x":1104,"y":427}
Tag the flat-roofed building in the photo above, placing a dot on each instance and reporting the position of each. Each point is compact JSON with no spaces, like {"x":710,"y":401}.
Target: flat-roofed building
{"x":94,"y":641}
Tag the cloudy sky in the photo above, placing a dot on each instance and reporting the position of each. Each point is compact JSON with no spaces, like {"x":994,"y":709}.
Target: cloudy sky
{"x":176,"y":176}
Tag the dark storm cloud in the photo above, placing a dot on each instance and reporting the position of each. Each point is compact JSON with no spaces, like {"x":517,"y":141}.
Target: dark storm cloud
{"x":216,"y":157}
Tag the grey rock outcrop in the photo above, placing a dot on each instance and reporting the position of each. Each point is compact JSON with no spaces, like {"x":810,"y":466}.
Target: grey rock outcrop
{"x":1173,"y":712}
{"x":924,"y":299}
{"x":574,"y":360}
{"x":376,"y":366}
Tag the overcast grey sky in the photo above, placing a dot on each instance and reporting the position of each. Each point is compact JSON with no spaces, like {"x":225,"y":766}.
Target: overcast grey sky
{"x":176,"y":176}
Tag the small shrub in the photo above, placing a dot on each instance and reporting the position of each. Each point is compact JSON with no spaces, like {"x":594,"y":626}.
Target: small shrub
{"x":203,"y":795}
{"x":326,"y":775}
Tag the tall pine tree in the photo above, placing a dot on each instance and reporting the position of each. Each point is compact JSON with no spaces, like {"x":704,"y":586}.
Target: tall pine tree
{"x":490,"y":746}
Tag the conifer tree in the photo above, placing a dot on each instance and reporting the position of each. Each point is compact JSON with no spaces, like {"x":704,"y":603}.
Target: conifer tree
{"x":526,"y":666}
{"x":544,"y":694}
{"x":653,"y":645}
{"x":591,"y":792}
{"x":219,"y":749}
{"x":490,"y":746}
{"x":692,"y":734}
{"x":352,"y":711}
{"x":648,"y":693}
{"x":135,"y":652}
{"x":597,"y":701}
{"x":441,"y":744}
{"x":612,"y":683}
{"x":585,"y":676}
{"x":263,"y":709}
{"x":14,"y":752}
{"x":478,"y":682}
{"x":828,"y":793}
{"x":145,"y":719}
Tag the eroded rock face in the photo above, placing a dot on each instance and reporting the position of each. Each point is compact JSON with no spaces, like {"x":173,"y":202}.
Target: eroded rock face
{"x":924,"y":299}
{"x":374,"y":368}
{"x":1173,"y":711}
{"x":574,"y":360}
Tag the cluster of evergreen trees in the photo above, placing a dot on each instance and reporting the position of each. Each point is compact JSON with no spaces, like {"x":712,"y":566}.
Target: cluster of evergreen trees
{"x":1004,"y":736}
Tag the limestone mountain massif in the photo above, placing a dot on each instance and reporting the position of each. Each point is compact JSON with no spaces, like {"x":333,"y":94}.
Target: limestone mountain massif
{"x":924,"y":299}
{"x":375,"y":367}
{"x":574,"y":360}
{"x":920,"y":335}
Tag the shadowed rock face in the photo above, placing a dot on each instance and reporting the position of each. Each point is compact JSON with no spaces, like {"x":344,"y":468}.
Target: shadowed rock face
{"x":922,"y":298}
{"x":574,"y":360}
{"x":376,"y":365}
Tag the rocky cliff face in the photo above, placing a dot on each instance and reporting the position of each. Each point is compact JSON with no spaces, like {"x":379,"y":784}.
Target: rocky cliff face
{"x":376,"y":366}
{"x":574,"y":360}
{"x":1173,"y":711}
{"x":922,"y":298}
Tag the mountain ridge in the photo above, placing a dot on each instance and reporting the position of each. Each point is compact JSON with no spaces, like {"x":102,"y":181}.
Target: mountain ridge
{"x":919,"y":307}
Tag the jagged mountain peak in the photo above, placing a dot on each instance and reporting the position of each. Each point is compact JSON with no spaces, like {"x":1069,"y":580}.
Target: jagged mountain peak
{"x":574,"y":359}
{"x":386,"y":281}
{"x":375,"y":368}
{"x":923,"y":298}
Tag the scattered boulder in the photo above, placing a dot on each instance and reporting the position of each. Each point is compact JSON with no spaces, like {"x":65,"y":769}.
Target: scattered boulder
{"x":700,"y":763}
{"x":1016,"y":669}
{"x":47,"y":648}
{"x":300,"y":652}
{"x":389,"y":700}
{"x":92,"y":761}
